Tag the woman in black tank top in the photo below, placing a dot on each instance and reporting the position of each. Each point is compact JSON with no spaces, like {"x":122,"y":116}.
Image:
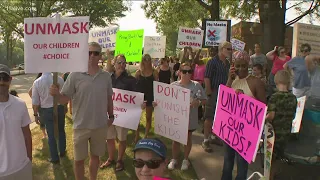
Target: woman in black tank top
{"x":145,"y":77}
{"x":164,"y":70}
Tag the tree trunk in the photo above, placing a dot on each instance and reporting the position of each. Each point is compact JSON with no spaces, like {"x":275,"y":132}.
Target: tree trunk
{"x":272,"y":19}
{"x":214,"y":10}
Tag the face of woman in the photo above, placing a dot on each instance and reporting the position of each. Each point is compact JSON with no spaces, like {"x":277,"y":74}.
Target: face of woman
{"x":147,"y":61}
{"x":282,"y":53}
{"x":120,"y":64}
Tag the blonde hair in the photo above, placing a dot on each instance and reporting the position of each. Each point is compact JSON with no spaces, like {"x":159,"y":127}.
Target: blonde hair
{"x":282,"y":77}
{"x":224,"y":44}
{"x":142,"y":65}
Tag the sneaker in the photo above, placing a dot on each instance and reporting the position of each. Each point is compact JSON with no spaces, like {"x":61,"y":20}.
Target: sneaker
{"x":172,"y":164}
{"x":216,"y":141}
{"x":185,"y":165}
{"x":206,"y":146}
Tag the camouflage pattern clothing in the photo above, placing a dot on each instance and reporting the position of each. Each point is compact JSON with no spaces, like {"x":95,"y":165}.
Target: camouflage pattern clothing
{"x":284,"y":105}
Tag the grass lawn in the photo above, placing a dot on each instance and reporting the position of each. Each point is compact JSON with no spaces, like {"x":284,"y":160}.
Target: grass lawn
{"x":43,"y":170}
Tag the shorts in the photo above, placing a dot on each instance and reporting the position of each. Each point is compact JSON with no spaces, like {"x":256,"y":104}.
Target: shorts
{"x":210,"y":108}
{"x":25,"y":174}
{"x":117,"y":132}
{"x":97,"y":139}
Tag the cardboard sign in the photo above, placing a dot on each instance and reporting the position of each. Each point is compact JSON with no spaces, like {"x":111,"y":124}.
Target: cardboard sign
{"x":189,"y":37}
{"x":106,"y":37}
{"x":130,"y":44}
{"x":237,"y":44}
{"x":239,"y":121}
{"x":296,"y":123}
{"x":155,"y":46}
{"x":127,"y":108}
{"x":216,"y":33}
{"x":269,"y":137}
{"x":305,"y":33}
{"x":56,"y":44}
{"x":171,"y":115}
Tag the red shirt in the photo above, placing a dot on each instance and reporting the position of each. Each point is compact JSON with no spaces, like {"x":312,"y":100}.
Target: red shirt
{"x":278,"y":64}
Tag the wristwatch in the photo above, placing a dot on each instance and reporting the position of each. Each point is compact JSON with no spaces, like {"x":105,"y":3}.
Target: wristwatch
{"x":111,"y":116}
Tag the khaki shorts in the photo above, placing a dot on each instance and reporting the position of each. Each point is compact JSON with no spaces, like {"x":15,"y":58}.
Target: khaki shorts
{"x":210,"y":108}
{"x":97,"y":139}
{"x":25,"y":174}
{"x":116,"y":131}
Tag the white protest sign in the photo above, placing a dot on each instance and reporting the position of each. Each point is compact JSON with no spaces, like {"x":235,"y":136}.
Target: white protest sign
{"x":190,"y":37}
{"x":216,"y":33}
{"x":296,"y":123}
{"x":155,"y":46}
{"x":305,"y":33}
{"x":106,"y":37}
{"x":127,"y":108}
{"x":172,"y":112}
{"x":56,"y":44}
{"x":237,"y":44}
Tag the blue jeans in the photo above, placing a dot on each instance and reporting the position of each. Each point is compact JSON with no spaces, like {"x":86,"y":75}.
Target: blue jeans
{"x":47,"y":114}
{"x":242,"y":165}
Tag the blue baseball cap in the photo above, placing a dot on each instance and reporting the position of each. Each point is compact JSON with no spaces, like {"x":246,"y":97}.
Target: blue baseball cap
{"x":152,"y":144}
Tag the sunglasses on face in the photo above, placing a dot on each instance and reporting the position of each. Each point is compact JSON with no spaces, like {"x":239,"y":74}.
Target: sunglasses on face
{"x":282,"y":52}
{"x":95,"y":53}
{"x":186,"y":71}
{"x":4,"y":77}
{"x":229,"y":49}
{"x":151,"y":164}
{"x":121,"y":62}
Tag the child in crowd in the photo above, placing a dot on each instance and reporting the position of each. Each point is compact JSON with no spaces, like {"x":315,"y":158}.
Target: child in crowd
{"x":149,"y":158}
{"x":281,"y":111}
{"x":257,"y":71}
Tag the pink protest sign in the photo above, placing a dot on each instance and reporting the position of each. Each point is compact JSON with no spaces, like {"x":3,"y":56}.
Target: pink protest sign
{"x":239,"y":121}
{"x":159,"y":178}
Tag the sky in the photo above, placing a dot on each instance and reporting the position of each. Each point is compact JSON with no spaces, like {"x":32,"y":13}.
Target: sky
{"x":136,"y":19}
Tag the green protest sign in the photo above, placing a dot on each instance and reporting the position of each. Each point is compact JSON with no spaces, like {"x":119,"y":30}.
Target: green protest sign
{"x":130,"y":44}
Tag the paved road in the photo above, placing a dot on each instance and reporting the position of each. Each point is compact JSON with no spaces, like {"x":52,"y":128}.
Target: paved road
{"x":22,"y":84}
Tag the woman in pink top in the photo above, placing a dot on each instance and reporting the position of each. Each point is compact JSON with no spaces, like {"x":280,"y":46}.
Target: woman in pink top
{"x":279,"y":58}
{"x":199,"y":70}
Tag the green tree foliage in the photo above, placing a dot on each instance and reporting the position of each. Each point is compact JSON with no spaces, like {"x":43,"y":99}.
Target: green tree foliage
{"x":13,"y":12}
{"x":169,"y":15}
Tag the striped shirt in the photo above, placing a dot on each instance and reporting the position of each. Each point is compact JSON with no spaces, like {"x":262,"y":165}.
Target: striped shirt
{"x":217,"y":72}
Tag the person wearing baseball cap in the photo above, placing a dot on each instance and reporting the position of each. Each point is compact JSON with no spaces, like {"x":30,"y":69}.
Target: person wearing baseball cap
{"x":15,"y":135}
{"x":149,"y":158}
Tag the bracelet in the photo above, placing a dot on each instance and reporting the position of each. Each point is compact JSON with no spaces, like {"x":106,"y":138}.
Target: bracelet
{"x":111,"y":116}
{"x":35,"y":115}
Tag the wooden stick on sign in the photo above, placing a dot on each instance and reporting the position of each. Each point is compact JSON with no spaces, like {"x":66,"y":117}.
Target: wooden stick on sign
{"x":55,"y":107}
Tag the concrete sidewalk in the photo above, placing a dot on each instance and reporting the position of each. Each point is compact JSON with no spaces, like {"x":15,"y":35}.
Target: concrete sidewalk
{"x":210,"y":165}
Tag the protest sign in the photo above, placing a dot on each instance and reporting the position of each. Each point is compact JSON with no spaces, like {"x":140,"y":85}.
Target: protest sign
{"x":56,"y":44}
{"x":239,"y":121}
{"x":106,"y":37}
{"x":305,"y":33}
{"x":130,"y":44}
{"x":215,"y":32}
{"x":296,"y":123}
{"x":171,"y":115}
{"x":189,"y":37}
{"x":237,"y":44}
{"x":127,"y":108}
{"x":155,"y":46}
{"x":269,"y":137}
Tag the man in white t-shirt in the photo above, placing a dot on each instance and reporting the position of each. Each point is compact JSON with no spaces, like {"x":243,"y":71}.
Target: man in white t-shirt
{"x":15,"y":135}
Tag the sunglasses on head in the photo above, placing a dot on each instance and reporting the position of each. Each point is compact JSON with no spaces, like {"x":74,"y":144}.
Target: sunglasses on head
{"x":147,"y":59}
{"x":4,"y":77}
{"x":186,"y":71}
{"x":121,"y":62}
{"x":95,"y":53}
{"x":151,"y":164}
